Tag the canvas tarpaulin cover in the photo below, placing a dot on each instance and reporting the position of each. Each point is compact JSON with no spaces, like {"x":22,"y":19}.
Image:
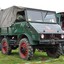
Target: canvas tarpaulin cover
{"x":8,"y":16}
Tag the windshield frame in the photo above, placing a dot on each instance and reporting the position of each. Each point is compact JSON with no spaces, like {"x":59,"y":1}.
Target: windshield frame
{"x":26,"y":15}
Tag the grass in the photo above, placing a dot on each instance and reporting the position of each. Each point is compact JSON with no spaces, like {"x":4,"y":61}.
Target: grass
{"x":39,"y":58}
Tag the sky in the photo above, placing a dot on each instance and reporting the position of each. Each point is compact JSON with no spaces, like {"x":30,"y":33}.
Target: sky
{"x":52,"y":5}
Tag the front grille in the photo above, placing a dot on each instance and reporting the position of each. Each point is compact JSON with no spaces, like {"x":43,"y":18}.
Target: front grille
{"x":52,"y":36}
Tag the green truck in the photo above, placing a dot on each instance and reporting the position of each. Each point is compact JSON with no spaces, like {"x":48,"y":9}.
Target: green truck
{"x":29,"y":29}
{"x":60,"y":21}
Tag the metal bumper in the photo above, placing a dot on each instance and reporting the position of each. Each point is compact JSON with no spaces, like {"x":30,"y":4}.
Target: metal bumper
{"x":52,"y":41}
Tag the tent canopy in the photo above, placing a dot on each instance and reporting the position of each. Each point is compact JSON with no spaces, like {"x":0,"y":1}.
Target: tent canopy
{"x":8,"y":16}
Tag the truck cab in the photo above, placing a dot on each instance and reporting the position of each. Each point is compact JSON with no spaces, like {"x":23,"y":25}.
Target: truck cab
{"x":60,"y":18}
{"x":60,"y":21}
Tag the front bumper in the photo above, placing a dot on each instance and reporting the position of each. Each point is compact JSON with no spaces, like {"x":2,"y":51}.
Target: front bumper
{"x":52,"y":41}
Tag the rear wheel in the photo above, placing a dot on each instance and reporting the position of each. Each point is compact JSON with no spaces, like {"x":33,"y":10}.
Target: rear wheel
{"x":54,"y":52}
{"x":25,"y":50}
{"x":5,"y":47}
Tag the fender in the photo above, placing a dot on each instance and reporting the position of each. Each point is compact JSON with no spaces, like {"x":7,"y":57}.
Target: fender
{"x":29,"y":38}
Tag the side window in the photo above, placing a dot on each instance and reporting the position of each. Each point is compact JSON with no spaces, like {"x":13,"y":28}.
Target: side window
{"x":20,"y":16}
{"x":62,"y":22}
{"x":57,"y":19}
{"x":62,"y":18}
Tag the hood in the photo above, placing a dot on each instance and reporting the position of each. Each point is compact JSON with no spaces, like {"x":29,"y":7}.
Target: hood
{"x":47,"y":28}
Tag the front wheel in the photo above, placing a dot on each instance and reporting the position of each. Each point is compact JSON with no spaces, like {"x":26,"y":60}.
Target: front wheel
{"x":25,"y":50}
{"x":54,"y":52}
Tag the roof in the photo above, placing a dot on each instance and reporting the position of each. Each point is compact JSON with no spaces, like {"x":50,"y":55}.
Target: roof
{"x":8,"y":16}
{"x":60,"y":13}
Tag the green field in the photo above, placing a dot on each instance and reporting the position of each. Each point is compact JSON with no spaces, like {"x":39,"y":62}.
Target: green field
{"x":39,"y":58}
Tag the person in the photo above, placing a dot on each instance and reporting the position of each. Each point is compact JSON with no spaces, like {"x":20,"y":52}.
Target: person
{"x":20,"y":17}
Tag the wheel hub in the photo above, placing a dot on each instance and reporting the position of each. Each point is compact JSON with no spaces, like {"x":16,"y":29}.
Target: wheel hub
{"x":4,"y":47}
{"x":23,"y":50}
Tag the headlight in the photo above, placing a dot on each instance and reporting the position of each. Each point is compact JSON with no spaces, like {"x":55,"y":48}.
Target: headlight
{"x":62,"y":36}
{"x":42,"y":36}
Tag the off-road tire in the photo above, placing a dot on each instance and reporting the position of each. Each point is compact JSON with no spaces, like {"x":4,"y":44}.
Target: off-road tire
{"x":5,"y":47}
{"x":25,"y":50}
{"x":62,"y":48}
{"x":54,"y":52}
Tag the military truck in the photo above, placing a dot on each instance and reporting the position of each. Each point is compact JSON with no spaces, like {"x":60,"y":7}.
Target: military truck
{"x":60,"y":21}
{"x":28,"y":29}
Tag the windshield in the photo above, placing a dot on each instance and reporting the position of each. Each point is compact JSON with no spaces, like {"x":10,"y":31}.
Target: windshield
{"x":41,"y":16}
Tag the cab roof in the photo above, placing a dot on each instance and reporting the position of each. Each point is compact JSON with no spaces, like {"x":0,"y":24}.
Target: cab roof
{"x":8,"y":16}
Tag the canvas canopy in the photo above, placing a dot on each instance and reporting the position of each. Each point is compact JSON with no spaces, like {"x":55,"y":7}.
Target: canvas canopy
{"x":8,"y":16}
